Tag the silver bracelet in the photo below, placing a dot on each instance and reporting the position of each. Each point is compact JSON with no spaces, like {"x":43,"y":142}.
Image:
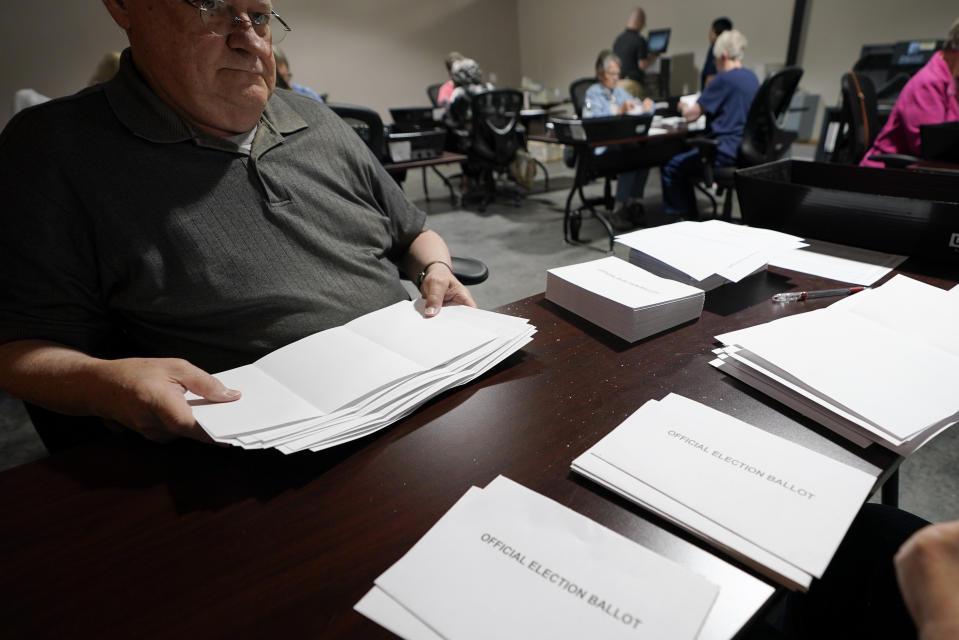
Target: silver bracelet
{"x":419,"y":278}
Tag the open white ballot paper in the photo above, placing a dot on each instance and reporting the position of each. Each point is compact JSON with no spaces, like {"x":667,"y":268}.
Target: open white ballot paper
{"x":774,"y":504}
{"x":622,"y":298}
{"x":703,"y":254}
{"x":879,"y":366}
{"x":838,"y":262}
{"x":506,"y":562}
{"x":343,"y":383}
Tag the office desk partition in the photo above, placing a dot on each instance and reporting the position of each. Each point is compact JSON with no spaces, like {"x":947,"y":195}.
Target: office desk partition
{"x":128,"y":538}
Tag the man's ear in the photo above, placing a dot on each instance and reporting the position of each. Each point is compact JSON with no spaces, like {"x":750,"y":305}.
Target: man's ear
{"x":118,"y":9}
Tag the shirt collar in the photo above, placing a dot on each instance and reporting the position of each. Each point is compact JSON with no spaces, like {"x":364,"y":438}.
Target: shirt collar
{"x":142,"y":112}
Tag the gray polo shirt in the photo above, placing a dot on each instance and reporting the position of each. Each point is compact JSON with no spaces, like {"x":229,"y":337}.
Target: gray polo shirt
{"x":123,"y":231}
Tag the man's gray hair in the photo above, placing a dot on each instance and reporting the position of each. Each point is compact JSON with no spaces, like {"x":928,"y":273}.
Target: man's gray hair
{"x":605,"y":57}
{"x":952,"y":40}
{"x":731,"y":44}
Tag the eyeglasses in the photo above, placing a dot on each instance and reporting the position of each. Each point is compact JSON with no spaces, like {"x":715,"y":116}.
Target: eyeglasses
{"x":221,"y":18}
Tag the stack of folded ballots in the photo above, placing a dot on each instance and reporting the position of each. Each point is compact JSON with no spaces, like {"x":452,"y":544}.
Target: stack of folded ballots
{"x":343,"y":383}
{"x":506,"y":562}
{"x":622,"y":298}
{"x":775,"y":505}
{"x":704,"y":254}
{"x":879,"y":366}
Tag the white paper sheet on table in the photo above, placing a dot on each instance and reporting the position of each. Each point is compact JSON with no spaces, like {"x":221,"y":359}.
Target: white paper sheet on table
{"x":507,"y":562}
{"x":838,"y":262}
{"x":883,"y":360}
{"x":791,"y":502}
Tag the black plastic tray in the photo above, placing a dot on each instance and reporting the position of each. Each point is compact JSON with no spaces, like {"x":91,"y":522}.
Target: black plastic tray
{"x":904,"y":211}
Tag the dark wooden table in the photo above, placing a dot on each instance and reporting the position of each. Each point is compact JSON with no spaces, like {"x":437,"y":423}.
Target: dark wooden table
{"x":397,"y":169}
{"x":627,"y":154}
{"x":131,"y":539}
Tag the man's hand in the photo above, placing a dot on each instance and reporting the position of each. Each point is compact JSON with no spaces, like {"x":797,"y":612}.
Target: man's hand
{"x":927,"y":568}
{"x":147,"y":395}
{"x":429,"y":255}
{"x":440,"y":286}
{"x":144,"y":394}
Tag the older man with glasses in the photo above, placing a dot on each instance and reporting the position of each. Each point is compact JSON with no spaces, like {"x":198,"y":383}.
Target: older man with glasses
{"x":185,"y":218}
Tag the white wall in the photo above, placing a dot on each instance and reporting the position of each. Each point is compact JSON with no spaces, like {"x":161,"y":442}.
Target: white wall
{"x":837,"y":29}
{"x":371,"y":52}
{"x":383,"y":53}
{"x":561,"y":38}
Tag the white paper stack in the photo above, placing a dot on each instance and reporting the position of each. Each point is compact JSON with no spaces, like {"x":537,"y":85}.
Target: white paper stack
{"x":622,"y":298}
{"x":343,"y":383}
{"x":774,"y":504}
{"x":506,"y":562}
{"x":704,"y":254}
{"x":879,"y":366}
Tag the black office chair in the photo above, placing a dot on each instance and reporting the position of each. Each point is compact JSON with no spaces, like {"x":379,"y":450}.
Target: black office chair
{"x":577,"y":93}
{"x":494,"y":136}
{"x":367,"y":124}
{"x":433,"y":91}
{"x":369,"y":127}
{"x":859,"y":122}
{"x":859,"y":125}
{"x":764,"y":139}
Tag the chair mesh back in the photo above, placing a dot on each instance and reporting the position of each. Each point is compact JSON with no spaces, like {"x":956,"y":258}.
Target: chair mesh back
{"x":495,"y":120}
{"x":764,"y":139}
{"x":859,"y":116}
{"x":433,"y":91}
{"x":577,"y":93}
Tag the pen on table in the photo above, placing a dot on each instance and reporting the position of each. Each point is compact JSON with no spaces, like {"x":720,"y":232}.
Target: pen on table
{"x":806,"y":295}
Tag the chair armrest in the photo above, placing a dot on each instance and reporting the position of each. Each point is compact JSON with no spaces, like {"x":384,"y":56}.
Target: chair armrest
{"x":703,"y":143}
{"x":894,"y":160}
{"x":708,"y":148}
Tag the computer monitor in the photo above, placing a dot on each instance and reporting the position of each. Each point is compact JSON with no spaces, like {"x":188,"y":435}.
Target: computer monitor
{"x":915,"y":53}
{"x":658,"y":40}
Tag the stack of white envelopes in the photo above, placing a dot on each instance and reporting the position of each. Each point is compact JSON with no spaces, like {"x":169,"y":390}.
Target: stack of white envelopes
{"x":623,"y":298}
{"x":704,"y":254}
{"x":879,"y":366}
{"x":343,"y":383}
{"x":506,"y":562}
{"x":775,"y":505}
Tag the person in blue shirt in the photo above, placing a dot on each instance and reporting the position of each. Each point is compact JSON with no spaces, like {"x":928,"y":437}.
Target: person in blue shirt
{"x":709,"y":67}
{"x":725,"y":101}
{"x":606,"y":98}
{"x":284,"y":77}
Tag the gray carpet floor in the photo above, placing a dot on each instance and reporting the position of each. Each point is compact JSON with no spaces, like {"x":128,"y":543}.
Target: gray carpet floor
{"x":519,"y":243}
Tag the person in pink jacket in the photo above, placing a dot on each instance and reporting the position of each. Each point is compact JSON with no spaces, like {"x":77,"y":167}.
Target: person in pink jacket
{"x":928,"y":98}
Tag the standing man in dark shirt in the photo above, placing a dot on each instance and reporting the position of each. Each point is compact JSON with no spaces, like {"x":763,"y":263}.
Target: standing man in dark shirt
{"x":709,"y":67}
{"x":633,"y":50}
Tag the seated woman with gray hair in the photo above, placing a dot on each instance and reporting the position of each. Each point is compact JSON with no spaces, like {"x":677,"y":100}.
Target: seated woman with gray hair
{"x":467,"y":81}
{"x":726,"y":101}
{"x":606,"y":98}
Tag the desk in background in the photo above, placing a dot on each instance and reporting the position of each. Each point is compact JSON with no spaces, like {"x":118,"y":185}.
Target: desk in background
{"x":646,"y":151}
{"x":134,"y":539}
{"x":397,"y":169}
